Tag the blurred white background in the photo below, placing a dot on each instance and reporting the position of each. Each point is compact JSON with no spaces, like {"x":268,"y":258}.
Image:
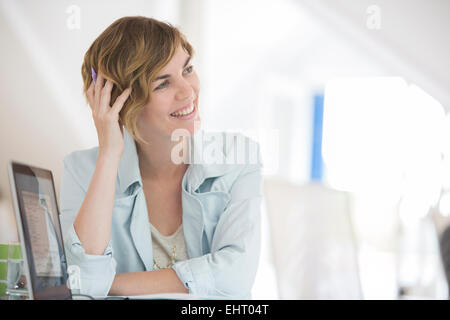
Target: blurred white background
{"x":367,"y":227}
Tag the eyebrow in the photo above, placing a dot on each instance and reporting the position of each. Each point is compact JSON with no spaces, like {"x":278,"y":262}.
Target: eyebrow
{"x":168,"y":75}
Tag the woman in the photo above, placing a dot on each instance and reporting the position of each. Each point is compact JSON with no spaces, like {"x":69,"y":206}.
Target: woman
{"x":129,"y":206}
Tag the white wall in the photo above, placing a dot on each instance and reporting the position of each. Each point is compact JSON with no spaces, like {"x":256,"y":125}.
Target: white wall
{"x":412,"y":40}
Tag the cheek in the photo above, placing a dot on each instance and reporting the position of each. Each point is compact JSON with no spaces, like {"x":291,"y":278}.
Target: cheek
{"x":140,"y":119}
{"x":196,"y":83}
{"x":145,"y":115}
{"x":156,"y":112}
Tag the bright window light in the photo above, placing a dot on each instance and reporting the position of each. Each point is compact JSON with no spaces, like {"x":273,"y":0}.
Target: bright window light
{"x":384,"y":141}
{"x":385,"y":136}
{"x":444,"y":205}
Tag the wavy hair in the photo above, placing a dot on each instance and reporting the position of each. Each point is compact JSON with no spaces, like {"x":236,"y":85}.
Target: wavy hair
{"x":130,"y":53}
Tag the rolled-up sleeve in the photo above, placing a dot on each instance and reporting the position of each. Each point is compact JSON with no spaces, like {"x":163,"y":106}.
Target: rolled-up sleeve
{"x":96,"y":272}
{"x":230,"y":269}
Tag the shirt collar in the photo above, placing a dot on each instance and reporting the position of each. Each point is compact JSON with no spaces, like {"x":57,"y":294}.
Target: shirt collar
{"x":197,"y":172}
{"x":128,"y":171}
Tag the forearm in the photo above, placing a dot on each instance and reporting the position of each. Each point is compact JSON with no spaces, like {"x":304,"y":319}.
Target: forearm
{"x":147,"y":282}
{"x":93,"y":221}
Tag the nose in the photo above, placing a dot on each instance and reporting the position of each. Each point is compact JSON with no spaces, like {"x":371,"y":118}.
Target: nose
{"x":185,"y":91}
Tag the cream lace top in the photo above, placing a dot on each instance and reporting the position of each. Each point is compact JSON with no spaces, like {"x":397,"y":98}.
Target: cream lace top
{"x":163,"y":247}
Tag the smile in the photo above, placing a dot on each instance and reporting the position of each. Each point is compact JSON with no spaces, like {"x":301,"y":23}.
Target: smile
{"x":185,"y":113}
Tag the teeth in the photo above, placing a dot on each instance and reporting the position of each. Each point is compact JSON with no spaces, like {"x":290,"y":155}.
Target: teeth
{"x":185,"y":112}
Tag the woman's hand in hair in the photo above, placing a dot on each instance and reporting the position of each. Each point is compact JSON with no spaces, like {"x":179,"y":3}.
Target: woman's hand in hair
{"x":106,"y":117}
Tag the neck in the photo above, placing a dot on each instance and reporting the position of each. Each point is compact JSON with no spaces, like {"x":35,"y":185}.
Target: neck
{"x":155,"y":161}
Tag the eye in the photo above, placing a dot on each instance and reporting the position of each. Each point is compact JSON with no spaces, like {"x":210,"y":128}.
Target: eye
{"x":190,"y":68}
{"x":162,"y":85}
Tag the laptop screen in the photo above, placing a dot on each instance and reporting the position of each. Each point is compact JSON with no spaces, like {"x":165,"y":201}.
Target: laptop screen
{"x":41,"y":231}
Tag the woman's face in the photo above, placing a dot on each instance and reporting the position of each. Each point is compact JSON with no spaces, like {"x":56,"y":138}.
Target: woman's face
{"x":174,"y":88}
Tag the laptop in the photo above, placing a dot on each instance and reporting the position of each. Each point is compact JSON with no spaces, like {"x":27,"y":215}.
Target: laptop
{"x":37,"y":216}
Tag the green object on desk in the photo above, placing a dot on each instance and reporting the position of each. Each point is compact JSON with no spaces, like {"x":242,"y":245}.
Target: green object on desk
{"x":10,"y":251}
{"x":7,"y":252}
{"x":3,"y":267}
{"x":15,"y":252}
{"x":3,"y":251}
{"x":2,"y":289}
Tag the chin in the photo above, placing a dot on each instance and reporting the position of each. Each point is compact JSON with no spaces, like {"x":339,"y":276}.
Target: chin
{"x":188,"y":129}
{"x":193,"y":127}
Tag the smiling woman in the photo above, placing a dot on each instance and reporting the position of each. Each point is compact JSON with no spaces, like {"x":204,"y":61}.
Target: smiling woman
{"x":132,"y":53}
{"x":129,"y":206}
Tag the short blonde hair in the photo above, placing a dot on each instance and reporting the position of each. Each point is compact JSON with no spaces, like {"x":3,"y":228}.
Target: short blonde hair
{"x":130,"y":53}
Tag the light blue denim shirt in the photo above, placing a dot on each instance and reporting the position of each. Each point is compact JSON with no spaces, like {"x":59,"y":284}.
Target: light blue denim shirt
{"x":221,"y":219}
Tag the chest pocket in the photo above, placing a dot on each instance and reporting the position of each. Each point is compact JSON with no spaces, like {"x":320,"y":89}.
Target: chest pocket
{"x":123,"y":207}
{"x":213,"y":198}
{"x":214,"y":201}
{"x":213,"y":204}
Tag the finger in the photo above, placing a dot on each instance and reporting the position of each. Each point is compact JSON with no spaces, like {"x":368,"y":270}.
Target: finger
{"x":120,"y":101}
{"x":105,"y":98}
{"x":90,"y":95}
{"x":98,"y":88}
